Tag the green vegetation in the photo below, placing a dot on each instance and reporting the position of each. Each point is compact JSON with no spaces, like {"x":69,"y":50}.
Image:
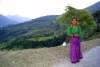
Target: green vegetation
{"x":41,"y":38}
{"x":24,"y":43}
{"x":85,"y":19}
{"x":96,"y":15}
{"x":25,"y":35}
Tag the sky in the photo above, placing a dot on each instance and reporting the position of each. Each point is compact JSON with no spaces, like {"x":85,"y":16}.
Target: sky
{"x":37,"y":8}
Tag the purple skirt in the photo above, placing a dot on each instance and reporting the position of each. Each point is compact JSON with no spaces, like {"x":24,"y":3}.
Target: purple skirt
{"x":75,"y":49}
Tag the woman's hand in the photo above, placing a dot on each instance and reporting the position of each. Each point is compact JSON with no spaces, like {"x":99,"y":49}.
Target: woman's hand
{"x":76,"y":35}
{"x":71,"y":35}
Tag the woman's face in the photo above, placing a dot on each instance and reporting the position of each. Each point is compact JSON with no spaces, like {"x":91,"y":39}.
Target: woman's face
{"x":74,"y":22}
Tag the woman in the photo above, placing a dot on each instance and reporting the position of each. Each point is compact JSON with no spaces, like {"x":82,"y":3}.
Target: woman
{"x":75,"y":31}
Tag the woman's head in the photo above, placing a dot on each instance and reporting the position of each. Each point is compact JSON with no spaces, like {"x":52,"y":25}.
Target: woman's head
{"x":74,"y":21}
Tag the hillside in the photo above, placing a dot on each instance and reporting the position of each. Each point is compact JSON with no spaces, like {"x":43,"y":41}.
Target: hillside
{"x":96,"y":16}
{"x":30,"y":28}
{"x":93,"y":8}
{"x":18,"y":18}
{"x":6,"y":21}
{"x":44,"y":56}
{"x":30,"y":32}
{"x":38,"y":33}
{"x":33,"y":24}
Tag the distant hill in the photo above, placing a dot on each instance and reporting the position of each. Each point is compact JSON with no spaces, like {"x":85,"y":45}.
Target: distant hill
{"x":41,"y":28}
{"x":38,"y":24}
{"x":6,"y":21}
{"x":46,"y":18}
{"x":93,"y":8}
{"x":18,"y":18}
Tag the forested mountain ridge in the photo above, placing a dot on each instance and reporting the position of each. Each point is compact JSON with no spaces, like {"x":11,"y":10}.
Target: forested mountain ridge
{"x":6,"y":21}
{"x":41,"y":28}
{"x":93,"y":8}
{"x":39,"y":24}
{"x":18,"y":18}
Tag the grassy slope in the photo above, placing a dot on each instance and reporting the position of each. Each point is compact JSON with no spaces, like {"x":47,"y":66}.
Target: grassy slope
{"x":38,"y":57}
{"x":42,"y":38}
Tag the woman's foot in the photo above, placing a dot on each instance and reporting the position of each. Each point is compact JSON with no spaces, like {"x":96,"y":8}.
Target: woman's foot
{"x":81,"y":58}
{"x":73,"y":62}
{"x":77,"y":61}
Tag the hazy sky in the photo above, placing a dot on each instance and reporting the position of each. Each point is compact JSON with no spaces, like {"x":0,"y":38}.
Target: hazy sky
{"x":37,"y":8}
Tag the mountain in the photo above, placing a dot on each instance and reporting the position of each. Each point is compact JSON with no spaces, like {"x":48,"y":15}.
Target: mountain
{"x":18,"y":18}
{"x":34,"y":24}
{"x":6,"y":21}
{"x":45,"y":18}
{"x":38,"y":24}
{"x":93,"y":8}
{"x":40,"y":29}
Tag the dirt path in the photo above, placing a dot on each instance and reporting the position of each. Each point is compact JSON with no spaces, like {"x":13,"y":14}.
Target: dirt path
{"x":90,"y":59}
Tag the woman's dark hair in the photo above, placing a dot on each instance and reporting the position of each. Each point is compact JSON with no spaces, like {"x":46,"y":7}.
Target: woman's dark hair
{"x":75,"y":18}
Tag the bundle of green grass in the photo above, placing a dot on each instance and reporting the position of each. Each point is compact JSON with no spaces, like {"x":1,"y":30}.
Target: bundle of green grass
{"x":85,"y":19}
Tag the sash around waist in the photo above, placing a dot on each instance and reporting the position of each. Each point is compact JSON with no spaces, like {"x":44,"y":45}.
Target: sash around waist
{"x":74,"y":37}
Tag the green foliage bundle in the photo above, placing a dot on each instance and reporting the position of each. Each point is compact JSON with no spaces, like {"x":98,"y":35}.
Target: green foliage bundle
{"x":85,"y":19}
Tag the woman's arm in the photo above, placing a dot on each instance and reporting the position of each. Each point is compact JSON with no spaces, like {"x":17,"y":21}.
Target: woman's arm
{"x":69,"y":31}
